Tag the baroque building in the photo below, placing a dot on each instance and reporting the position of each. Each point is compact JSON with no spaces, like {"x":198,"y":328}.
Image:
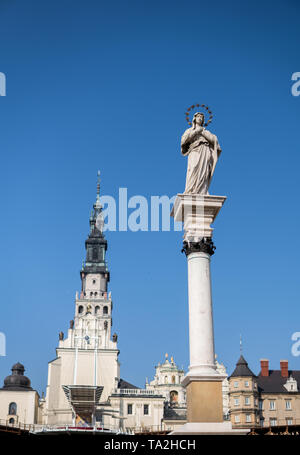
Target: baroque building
{"x":270,"y":399}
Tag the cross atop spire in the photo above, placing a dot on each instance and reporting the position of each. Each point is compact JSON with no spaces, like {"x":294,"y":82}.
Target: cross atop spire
{"x":98,"y":185}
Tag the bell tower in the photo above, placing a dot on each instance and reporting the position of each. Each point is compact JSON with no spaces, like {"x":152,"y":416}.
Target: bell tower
{"x":93,"y":309}
{"x":86,"y":366}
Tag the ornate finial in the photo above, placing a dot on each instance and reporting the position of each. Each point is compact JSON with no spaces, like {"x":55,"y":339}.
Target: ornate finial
{"x":166,"y":356}
{"x":98,"y":184}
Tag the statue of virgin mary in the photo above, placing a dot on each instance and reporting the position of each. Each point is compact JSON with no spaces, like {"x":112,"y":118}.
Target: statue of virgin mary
{"x":203,"y":151}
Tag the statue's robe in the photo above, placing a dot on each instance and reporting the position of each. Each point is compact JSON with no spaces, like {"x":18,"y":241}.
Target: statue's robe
{"x":203,"y":151}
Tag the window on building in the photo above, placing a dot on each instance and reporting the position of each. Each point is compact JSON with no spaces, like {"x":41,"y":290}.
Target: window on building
{"x":166,"y":379}
{"x":246,"y":383}
{"x":247,"y":400}
{"x":272,"y":405}
{"x":248,"y":418}
{"x":94,"y":281}
{"x":236,"y":401}
{"x":12,"y":409}
{"x":173,"y":396}
{"x":173,"y":380}
{"x":129,"y":409}
{"x":105,"y":310}
{"x":97,"y":309}
{"x":237,"y":419}
{"x":288,"y":404}
{"x":11,"y":421}
{"x":80,"y":309}
{"x":236,"y":384}
{"x":273,"y":422}
{"x":289,"y":421}
{"x":146,"y":409}
{"x":260,"y":404}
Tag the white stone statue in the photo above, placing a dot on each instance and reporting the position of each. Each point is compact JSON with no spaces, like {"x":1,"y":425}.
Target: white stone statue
{"x":203,"y":150}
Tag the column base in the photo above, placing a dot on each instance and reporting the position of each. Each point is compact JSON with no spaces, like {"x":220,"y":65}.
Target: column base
{"x":204,"y":400}
{"x":209,"y":428}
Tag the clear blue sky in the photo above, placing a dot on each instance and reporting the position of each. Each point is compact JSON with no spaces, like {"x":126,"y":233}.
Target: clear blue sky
{"x":98,"y":85}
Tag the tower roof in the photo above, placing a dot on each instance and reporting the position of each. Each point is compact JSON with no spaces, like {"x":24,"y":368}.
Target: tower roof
{"x":96,"y":244}
{"x":242,"y":369}
{"x":17,"y":380}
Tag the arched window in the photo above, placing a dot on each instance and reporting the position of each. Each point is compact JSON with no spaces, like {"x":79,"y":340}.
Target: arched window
{"x":11,"y":421}
{"x":166,"y":379}
{"x":96,"y":293}
{"x":12,"y":409}
{"x":173,"y":380}
{"x":105,"y":310}
{"x":97,"y":309}
{"x":80,"y":309}
{"x":91,"y":294}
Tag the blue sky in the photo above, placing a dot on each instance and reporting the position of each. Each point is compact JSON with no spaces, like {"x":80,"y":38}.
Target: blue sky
{"x":93,"y":85}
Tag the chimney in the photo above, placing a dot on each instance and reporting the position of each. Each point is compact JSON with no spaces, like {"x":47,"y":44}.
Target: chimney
{"x":264,"y":366}
{"x":284,"y":366}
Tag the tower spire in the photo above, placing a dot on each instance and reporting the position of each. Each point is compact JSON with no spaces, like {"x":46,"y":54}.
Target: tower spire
{"x":98,"y":185}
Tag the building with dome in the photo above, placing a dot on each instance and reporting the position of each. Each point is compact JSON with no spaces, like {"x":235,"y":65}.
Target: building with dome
{"x":19,"y":402}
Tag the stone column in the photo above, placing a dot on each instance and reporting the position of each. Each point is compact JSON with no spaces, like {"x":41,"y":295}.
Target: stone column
{"x":203,"y":382}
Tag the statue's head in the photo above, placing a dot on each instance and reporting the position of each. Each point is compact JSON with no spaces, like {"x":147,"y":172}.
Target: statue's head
{"x":198,"y":119}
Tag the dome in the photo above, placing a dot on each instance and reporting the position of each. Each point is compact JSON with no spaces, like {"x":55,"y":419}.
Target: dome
{"x":17,"y":380}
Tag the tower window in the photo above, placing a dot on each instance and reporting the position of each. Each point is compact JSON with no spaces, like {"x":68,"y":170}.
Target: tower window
{"x":97,"y":309}
{"x":12,"y":409}
{"x":91,"y":294}
{"x":105,"y":310}
{"x":96,"y":293}
{"x":95,"y":254}
{"x":94,"y":281}
{"x":80,"y":309}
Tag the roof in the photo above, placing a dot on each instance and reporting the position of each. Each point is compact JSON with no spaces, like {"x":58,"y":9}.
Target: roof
{"x":242,"y":369}
{"x":126,"y":385}
{"x":274,"y":383}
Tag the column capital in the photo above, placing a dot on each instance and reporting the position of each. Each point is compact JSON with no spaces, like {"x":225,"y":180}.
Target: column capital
{"x":205,"y":245}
